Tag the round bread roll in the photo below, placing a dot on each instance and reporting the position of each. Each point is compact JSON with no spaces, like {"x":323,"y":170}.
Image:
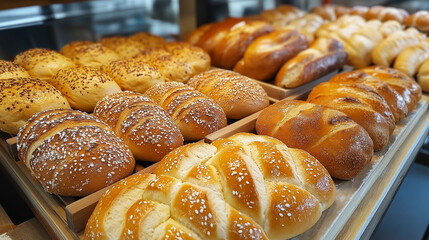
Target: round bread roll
{"x":419,"y":20}
{"x":133,"y":74}
{"x":386,"y":13}
{"x":21,"y":98}
{"x":12,"y":70}
{"x":195,"y":114}
{"x":238,"y":95}
{"x":145,"y":127}
{"x":84,"y":86}
{"x":342,"y":146}
{"x":125,"y":47}
{"x":42,"y":63}
{"x":72,"y":153}
{"x":89,"y":54}
{"x":148,"y":40}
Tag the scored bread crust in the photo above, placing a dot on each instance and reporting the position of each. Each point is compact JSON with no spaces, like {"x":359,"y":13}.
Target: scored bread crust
{"x":242,"y":187}
{"x":342,"y":146}
{"x":144,"y":126}
{"x":72,"y":153}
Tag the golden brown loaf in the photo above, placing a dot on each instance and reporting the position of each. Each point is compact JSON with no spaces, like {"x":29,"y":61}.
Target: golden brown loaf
{"x":242,"y":187}
{"x":340,"y":144}
{"x":195,"y":114}
{"x":264,"y":57}
{"x":387,"y":50}
{"x":232,"y":47}
{"x":177,"y":61}
{"x":148,"y":40}
{"x":322,"y":57}
{"x":89,"y":54}
{"x":21,"y":98}
{"x":419,"y":20}
{"x":42,"y":63}
{"x":133,"y":75}
{"x":144,"y":126}
{"x":410,"y":59}
{"x":72,"y":153}
{"x":386,"y":13}
{"x":400,"y":82}
{"x":12,"y":70}
{"x":238,"y":95}
{"x":84,"y":86}
{"x":123,"y":46}
{"x":195,"y":35}
{"x":281,"y":15}
{"x":423,"y":76}
{"x":329,"y":12}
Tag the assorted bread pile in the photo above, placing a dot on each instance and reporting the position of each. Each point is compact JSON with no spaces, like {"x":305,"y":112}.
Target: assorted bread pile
{"x":242,"y":187}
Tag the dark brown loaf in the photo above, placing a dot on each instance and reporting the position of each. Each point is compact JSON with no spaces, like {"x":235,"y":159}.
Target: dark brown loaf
{"x":238,"y":95}
{"x":195,"y":114}
{"x":42,"y":63}
{"x":242,"y":187}
{"x":72,"y":153}
{"x":21,"y":98}
{"x":268,"y":53}
{"x":84,"y":86}
{"x":340,"y":144}
{"x":144,"y":126}
{"x":12,"y":70}
{"x":322,"y":57}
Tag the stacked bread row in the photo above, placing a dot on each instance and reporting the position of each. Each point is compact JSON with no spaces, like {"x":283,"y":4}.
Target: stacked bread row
{"x":242,"y":187}
{"x":344,"y":120}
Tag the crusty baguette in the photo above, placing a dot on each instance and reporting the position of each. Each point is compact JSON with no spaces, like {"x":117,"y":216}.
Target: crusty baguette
{"x":419,"y":20}
{"x":232,"y":47}
{"x":242,"y":187}
{"x":72,"y":153}
{"x":342,"y":146}
{"x":410,"y":59}
{"x":42,"y":63}
{"x":89,"y":54}
{"x":400,"y":82}
{"x":423,"y":76}
{"x":195,"y":114}
{"x":268,"y":53}
{"x":238,"y":95}
{"x":84,"y":86}
{"x":322,"y":57}
{"x":387,"y":50}
{"x":12,"y":70}
{"x":144,"y":126}
{"x":21,"y":98}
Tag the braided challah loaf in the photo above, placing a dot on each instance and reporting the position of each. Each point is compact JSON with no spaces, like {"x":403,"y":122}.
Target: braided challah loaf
{"x":195,"y":114}
{"x":242,"y":187}
{"x":144,"y":126}
{"x":340,"y":144}
{"x":72,"y":153}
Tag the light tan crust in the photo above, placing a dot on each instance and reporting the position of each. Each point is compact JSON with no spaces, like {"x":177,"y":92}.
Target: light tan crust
{"x":195,"y":114}
{"x":327,"y":12}
{"x":232,"y":47}
{"x":12,"y":70}
{"x":423,"y":76}
{"x":144,"y":126}
{"x":323,"y":56}
{"x":42,"y":63}
{"x":340,"y":144}
{"x":268,"y":53}
{"x":238,"y":95}
{"x":21,"y":98}
{"x":72,"y":153}
{"x":419,"y":20}
{"x":307,"y":25}
{"x":123,"y":46}
{"x":148,"y":40}
{"x":89,"y":54}
{"x":410,"y":59}
{"x":84,"y":86}
{"x":281,"y":15}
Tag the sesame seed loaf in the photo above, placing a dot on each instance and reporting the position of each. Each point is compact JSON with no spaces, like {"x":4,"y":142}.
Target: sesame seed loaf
{"x":12,"y":70}
{"x":21,"y":98}
{"x":238,"y":95}
{"x":89,"y":54}
{"x":242,"y":187}
{"x":72,"y":153}
{"x":195,"y":114}
{"x":144,"y":126}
